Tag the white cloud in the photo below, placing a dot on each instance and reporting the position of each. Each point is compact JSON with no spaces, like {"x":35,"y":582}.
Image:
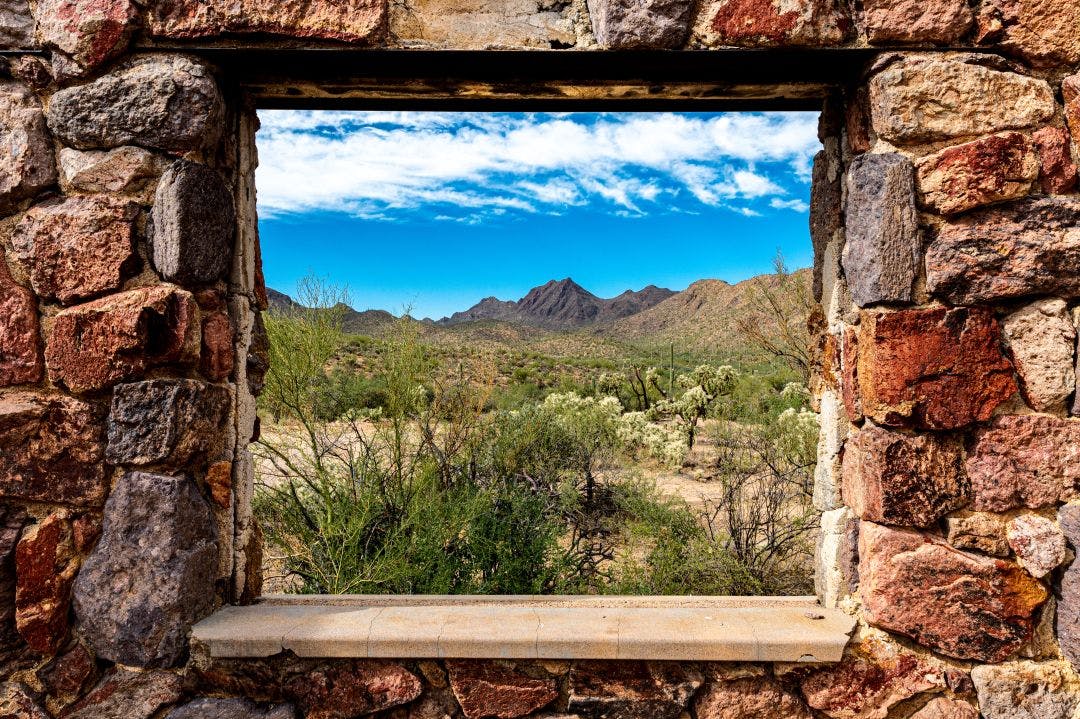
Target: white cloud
{"x":372,"y":164}
{"x":795,"y":205}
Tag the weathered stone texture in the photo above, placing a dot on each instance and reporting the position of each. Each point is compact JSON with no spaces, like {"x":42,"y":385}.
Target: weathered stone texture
{"x":1029,"y":247}
{"x":1028,"y":461}
{"x":45,"y":565}
{"x":129,"y":171}
{"x":961,"y":605}
{"x":21,"y":361}
{"x":903,"y":21}
{"x":128,"y":694}
{"x":628,"y":24}
{"x":943,"y":708}
{"x":1041,"y":339}
{"x":354,"y":21}
{"x":230,"y":709}
{"x":754,"y":23}
{"x":836,"y":561}
{"x":27,"y":163}
{"x":1025,"y":690}
{"x":984,"y":171}
{"x":165,"y":420}
{"x":849,"y":383}
{"x":1070,"y":92}
{"x":871,"y":679}
{"x":926,"y":99}
{"x":909,"y":480}
{"x":1057,"y":171}
{"x":936,"y":368}
{"x":16,"y":703}
{"x":826,"y":211}
{"x":354,"y":689}
{"x":482,"y":24}
{"x":88,"y":31}
{"x":79,"y":247}
{"x":882,"y":249}
{"x":152,"y":573}
{"x":97,"y":344}
{"x":193,"y":224}
{"x":748,"y":698}
{"x":217,"y":360}
{"x":1047,"y":34}
{"x":486,"y":689}
{"x":631,"y":690}
{"x":51,"y":449}
{"x":66,"y":676}
{"x":12,"y":521}
{"x":1038,"y":542}
{"x":1067,"y":625}
{"x":165,"y":101}
{"x":982,"y":531}
{"x":16,"y":25}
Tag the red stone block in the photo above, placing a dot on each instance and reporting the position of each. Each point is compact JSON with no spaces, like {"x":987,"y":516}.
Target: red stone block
{"x":356,"y":21}
{"x":984,"y":171}
{"x":753,"y":23}
{"x":486,"y":689}
{"x":51,"y":450}
{"x":921,"y":21}
{"x":219,"y":480}
{"x":353,"y":689}
{"x":899,"y":479}
{"x":849,"y":358}
{"x":937,"y":368}
{"x":870,"y":680}
{"x":78,"y":248}
{"x":1057,"y":172}
{"x":1044,"y":32}
{"x":749,"y":698}
{"x":95,"y":345}
{"x":20,"y":340}
{"x":88,"y":31}
{"x":1070,"y":91}
{"x":1028,"y":461}
{"x":45,"y":567}
{"x":217,"y":346}
{"x":962,"y":605}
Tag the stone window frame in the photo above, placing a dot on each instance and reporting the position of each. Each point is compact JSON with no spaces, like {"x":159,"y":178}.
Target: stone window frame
{"x":756,"y":629}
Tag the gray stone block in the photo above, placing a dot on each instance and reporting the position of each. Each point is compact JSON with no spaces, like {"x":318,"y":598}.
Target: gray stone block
{"x":882,"y":250}
{"x":165,"y":102}
{"x":194,"y":223}
{"x":151,"y":575}
{"x":626,"y":24}
{"x":165,"y":420}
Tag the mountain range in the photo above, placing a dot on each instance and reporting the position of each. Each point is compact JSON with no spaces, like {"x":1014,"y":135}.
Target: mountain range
{"x":561,"y":305}
{"x":706,"y":316}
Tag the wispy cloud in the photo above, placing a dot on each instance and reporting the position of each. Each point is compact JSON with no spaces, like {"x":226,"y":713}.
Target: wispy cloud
{"x":468,"y":166}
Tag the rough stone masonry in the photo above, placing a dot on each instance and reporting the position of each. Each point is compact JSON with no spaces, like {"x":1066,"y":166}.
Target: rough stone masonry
{"x":946,"y":228}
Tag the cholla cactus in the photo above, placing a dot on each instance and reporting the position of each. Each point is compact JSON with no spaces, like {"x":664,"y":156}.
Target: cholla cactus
{"x":609,"y":383}
{"x":798,"y":432}
{"x":701,"y":388}
{"x":796,"y":393}
{"x":637,"y":433}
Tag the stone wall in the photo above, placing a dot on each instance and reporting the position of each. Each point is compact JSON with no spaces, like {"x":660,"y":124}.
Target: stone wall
{"x":947,"y":242}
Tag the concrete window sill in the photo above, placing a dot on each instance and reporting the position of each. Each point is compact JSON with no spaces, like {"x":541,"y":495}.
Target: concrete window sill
{"x":765,"y":629}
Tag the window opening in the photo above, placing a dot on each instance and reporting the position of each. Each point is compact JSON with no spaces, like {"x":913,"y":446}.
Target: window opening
{"x":537,"y":353}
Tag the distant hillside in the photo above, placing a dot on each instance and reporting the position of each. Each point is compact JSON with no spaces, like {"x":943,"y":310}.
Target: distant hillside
{"x":705,"y":317}
{"x":560,"y":305}
{"x":368,"y":322}
{"x":561,"y":318}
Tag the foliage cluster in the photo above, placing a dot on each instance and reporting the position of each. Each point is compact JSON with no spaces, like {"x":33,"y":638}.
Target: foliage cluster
{"x":389,"y":471}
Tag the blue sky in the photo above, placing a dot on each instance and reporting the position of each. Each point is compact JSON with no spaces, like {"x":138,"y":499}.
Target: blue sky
{"x":435,"y":211}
